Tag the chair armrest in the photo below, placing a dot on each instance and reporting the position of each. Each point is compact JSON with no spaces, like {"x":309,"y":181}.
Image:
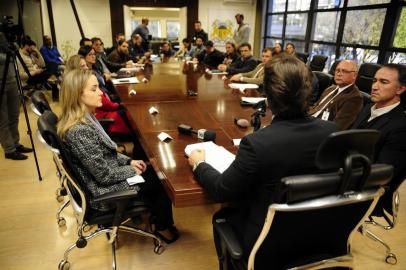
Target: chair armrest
{"x":226,"y":233}
{"x":116,"y":196}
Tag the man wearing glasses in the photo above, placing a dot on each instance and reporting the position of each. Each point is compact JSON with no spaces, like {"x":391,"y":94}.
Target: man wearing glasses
{"x":342,"y":102}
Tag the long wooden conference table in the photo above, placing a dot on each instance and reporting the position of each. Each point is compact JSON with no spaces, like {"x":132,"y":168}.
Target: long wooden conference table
{"x":214,"y":108}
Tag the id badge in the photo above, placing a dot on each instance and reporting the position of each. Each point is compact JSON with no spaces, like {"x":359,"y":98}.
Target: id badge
{"x":325,"y":115}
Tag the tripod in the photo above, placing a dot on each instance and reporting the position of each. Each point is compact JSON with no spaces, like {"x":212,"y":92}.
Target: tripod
{"x":11,"y":54}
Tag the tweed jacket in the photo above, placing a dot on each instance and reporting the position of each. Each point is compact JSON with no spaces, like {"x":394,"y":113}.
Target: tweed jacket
{"x":344,"y":108}
{"x":258,"y":72}
{"x":100,"y":168}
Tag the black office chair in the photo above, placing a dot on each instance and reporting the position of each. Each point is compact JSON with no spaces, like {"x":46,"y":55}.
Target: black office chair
{"x":127,"y":207}
{"x":312,"y":225}
{"x":318,"y":62}
{"x":332,"y":69}
{"x":39,"y":103}
{"x":303,"y":56}
{"x":325,"y":80}
{"x":365,"y":76}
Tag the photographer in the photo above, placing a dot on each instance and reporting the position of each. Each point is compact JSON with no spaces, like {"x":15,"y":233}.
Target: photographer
{"x":9,"y":110}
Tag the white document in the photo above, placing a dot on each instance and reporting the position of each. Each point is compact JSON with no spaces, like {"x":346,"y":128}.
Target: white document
{"x":217,"y":156}
{"x":135,"y":68}
{"x":243,"y":86}
{"x":137,"y":179}
{"x":252,"y":100}
{"x":138,"y":65}
{"x":126,"y":80}
{"x":164,"y":136}
{"x":216,"y":72}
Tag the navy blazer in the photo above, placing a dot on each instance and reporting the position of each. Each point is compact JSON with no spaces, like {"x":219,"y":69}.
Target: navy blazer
{"x":284,"y":148}
{"x":242,"y":65}
{"x":391,"y":145}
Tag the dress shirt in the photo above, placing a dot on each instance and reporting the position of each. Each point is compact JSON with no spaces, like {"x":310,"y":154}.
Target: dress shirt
{"x":378,"y":112}
{"x":330,"y":97}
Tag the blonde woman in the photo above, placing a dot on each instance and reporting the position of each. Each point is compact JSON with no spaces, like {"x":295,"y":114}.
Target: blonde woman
{"x":94,"y":154}
{"x":74,"y":62}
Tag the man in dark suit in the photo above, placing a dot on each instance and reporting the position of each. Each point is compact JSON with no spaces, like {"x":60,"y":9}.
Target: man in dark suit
{"x":342,"y":102}
{"x":387,"y":114}
{"x":245,"y":63}
{"x":210,"y":56}
{"x":286,"y":147}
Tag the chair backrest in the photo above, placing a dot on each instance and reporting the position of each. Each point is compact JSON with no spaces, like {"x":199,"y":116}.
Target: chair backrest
{"x":78,"y":196}
{"x":40,"y":103}
{"x":318,"y":62}
{"x":365,"y":76}
{"x":303,"y":56}
{"x":333,"y":67}
{"x":317,"y":219}
{"x":325,"y":80}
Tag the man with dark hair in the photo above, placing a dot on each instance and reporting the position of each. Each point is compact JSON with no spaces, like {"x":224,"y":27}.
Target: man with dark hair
{"x":210,"y":56}
{"x":51,"y":55}
{"x":231,"y":54}
{"x":386,"y":113}
{"x":85,"y":42}
{"x":143,"y":31}
{"x":242,"y":33}
{"x":286,"y":147}
{"x":199,"y":32}
{"x":342,"y":102}
{"x":197,"y":48}
{"x":135,"y":48}
{"x":257,"y":75}
{"x":120,"y":55}
{"x":166,"y":49}
{"x":118,"y":37}
{"x":245,"y":63}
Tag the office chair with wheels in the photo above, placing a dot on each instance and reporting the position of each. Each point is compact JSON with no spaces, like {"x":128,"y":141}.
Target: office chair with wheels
{"x":365,"y":76}
{"x":311,"y":224}
{"x":318,"y":62}
{"x":127,"y":207}
{"x":303,"y":56}
{"x":332,"y":69}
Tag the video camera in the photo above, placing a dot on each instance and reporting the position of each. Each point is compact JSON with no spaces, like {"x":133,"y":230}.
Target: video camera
{"x":10,"y":30}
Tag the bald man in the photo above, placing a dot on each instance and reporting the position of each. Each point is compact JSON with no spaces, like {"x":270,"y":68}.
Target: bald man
{"x":143,"y":31}
{"x":342,"y":102}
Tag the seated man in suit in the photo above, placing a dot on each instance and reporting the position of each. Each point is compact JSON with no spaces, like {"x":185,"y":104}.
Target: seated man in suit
{"x":210,"y":56}
{"x":257,"y":75}
{"x":342,"y":102}
{"x":286,"y":147}
{"x":245,"y":63}
{"x":387,"y":114}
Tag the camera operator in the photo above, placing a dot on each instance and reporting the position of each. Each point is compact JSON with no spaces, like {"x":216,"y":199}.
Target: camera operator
{"x":34,"y":62}
{"x":9,"y":110}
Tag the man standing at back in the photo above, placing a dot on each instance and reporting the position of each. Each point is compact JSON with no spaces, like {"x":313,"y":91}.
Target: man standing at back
{"x":242,"y":33}
{"x":143,"y":31}
{"x":199,"y":32}
{"x":342,"y":102}
{"x":387,"y":115}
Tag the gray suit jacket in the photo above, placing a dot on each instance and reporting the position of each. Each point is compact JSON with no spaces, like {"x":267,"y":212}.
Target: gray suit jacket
{"x":97,"y":164}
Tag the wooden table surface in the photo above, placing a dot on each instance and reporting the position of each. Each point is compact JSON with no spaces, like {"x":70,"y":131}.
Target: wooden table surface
{"x":214,"y":108}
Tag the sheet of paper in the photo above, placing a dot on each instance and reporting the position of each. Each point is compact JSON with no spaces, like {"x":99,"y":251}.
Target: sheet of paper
{"x":243,"y":86}
{"x":217,"y":156}
{"x":137,"y":179}
{"x":216,"y":72}
{"x":164,"y":136}
{"x":131,"y":69}
{"x":252,"y":100}
{"x":126,"y":80}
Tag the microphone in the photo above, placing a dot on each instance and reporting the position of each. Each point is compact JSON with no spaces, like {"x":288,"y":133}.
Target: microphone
{"x":203,"y":134}
{"x":241,"y":122}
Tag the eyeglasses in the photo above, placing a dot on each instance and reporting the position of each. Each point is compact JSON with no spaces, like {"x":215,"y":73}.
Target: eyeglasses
{"x":343,"y":71}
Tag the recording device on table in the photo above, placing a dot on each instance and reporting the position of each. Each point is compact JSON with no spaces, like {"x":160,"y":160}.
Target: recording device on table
{"x":255,"y":117}
{"x":202,"y":134}
{"x":8,"y":36}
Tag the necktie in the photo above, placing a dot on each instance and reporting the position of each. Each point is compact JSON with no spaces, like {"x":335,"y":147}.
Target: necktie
{"x":323,"y":104}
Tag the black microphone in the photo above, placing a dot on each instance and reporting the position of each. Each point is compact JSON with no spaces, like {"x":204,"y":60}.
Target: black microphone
{"x":203,"y":134}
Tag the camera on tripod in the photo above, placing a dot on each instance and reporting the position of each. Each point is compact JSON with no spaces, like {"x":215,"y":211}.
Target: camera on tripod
{"x":11,"y":31}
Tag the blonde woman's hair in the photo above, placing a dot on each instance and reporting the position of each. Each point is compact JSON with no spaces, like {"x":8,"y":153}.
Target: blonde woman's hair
{"x":73,"y":63}
{"x":73,"y":111}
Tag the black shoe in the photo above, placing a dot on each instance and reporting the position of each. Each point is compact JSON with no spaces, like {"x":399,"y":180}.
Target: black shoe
{"x":175,"y":235}
{"x":23,"y":149}
{"x":15,"y":156}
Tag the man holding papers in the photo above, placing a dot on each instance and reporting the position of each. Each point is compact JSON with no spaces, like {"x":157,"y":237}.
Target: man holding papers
{"x":286,"y":147}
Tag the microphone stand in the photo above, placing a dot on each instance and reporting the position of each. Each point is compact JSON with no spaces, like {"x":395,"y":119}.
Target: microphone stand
{"x":256,"y":116}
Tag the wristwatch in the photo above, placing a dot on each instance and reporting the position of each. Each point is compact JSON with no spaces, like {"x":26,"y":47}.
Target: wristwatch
{"x":197,"y":164}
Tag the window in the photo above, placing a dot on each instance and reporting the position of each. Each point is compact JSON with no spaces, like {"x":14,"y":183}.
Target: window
{"x":299,"y":46}
{"x":271,"y":42}
{"x":323,"y":4}
{"x":275,"y":25}
{"x":364,"y":26}
{"x":154,"y":27}
{"x":134,"y":24}
{"x":326,"y":50}
{"x":359,"y":55}
{"x":397,"y":58}
{"x":353,"y":3}
{"x":294,"y":5}
{"x":326,"y":27}
{"x":277,"y":5}
{"x":172,"y":29}
{"x":400,"y":36}
{"x":296,"y":26}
